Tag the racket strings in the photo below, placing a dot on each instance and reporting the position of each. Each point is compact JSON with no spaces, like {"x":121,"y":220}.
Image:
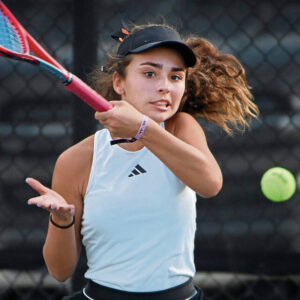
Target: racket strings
{"x":10,"y":38}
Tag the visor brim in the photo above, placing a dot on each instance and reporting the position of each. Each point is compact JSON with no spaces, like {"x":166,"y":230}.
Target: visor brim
{"x":186,"y":52}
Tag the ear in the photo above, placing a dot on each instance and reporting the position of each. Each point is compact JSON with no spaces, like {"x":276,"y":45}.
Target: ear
{"x":118,"y":83}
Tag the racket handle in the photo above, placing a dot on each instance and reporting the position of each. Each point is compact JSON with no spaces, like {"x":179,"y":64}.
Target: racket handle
{"x":88,"y":95}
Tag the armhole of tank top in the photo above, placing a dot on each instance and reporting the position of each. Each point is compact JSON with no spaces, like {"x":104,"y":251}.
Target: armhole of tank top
{"x":90,"y":181}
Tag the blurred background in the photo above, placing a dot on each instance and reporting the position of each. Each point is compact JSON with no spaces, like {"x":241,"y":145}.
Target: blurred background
{"x":246,"y":247}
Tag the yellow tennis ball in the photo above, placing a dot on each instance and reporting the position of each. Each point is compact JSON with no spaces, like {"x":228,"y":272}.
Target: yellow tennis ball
{"x":278,"y":184}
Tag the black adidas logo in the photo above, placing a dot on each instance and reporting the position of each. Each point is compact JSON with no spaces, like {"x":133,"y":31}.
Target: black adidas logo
{"x":137,"y":171}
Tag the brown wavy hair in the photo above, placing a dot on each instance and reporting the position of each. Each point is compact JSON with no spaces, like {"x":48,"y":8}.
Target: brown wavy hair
{"x":216,"y":87}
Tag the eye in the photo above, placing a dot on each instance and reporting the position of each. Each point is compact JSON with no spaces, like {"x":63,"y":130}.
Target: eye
{"x":149,"y":74}
{"x":176,"y":77}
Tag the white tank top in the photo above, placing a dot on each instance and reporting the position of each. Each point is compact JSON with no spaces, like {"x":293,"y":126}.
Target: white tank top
{"x":138,"y":222}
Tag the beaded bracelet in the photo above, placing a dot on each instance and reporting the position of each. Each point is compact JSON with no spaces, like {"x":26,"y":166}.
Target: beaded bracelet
{"x":59,"y":226}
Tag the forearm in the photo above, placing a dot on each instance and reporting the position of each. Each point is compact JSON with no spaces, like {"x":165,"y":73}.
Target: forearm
{"x":195,"y":168}
{"x":61,"y":252}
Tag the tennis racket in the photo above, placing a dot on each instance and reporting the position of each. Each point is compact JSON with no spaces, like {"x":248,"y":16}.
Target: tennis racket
{"x":16,"y":43}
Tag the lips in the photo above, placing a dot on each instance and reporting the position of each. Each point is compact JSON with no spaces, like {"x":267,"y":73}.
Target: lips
{"x":161,"y":105}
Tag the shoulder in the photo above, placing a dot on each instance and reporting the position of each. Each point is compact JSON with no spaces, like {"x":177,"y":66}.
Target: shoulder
{"x":73,"y":165}
{"x":185,"y":127}
{"x":78,"y":154}
{"x":182,"y":118}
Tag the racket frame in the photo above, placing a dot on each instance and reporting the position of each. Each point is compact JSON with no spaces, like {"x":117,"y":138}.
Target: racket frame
{"x":46,"y":62}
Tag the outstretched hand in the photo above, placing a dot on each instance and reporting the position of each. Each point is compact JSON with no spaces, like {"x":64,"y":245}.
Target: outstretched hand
{"x":51,"y":201}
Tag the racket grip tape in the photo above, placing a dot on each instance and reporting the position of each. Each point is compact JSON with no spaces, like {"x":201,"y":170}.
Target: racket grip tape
{"x":88,"y":95}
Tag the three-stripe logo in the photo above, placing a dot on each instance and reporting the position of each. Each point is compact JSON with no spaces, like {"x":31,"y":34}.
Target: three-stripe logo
{"x":137,"y":171}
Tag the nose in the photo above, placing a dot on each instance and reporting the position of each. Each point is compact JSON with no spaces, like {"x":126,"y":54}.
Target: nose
{"x":163,"y":85}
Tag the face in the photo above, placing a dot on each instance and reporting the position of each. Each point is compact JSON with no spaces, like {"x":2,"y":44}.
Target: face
{"x":154,"y":83}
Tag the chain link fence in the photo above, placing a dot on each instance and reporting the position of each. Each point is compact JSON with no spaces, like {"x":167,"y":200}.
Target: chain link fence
{"x":246,"y":246}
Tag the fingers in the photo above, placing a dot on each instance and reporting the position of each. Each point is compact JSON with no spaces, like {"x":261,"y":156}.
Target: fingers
{"x":102,"y":117}
{"x":58,"y":207}
{"x":48,"y":198}
{"x":99,"y":117}
{"x":62,"y":209}
{"x":36,"y":185}
{"x":50,"y":204}
{"x":123,"y":120}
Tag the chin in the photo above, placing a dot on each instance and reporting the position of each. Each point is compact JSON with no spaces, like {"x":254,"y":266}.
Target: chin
{"x":160,"y":118}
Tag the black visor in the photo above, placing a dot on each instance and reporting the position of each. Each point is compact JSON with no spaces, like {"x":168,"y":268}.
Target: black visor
{"x":154,"y":36}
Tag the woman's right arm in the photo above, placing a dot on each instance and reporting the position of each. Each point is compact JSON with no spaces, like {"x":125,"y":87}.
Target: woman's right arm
{"x":61,"y":250}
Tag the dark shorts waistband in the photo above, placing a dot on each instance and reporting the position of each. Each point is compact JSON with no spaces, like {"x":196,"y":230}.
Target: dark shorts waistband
{"x":181,"y":292}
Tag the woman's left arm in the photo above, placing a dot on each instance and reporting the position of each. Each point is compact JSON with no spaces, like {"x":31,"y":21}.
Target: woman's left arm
{"x":183,"y":149}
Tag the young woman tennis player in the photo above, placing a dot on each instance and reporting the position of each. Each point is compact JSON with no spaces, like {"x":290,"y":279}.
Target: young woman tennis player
{"x":128,"y":192}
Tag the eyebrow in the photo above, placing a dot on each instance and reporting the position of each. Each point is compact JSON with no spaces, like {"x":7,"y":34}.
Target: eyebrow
{"x":160,"y":66}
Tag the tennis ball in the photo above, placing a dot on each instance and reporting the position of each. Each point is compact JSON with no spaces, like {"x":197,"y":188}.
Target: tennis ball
{"x":278,"y":184}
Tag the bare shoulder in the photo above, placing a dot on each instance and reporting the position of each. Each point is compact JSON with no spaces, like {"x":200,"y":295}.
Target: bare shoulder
{"x":77,"y":155}
{"x":74,"y":164}
{"x":181,"y":120}
{"x":187,"y":128}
